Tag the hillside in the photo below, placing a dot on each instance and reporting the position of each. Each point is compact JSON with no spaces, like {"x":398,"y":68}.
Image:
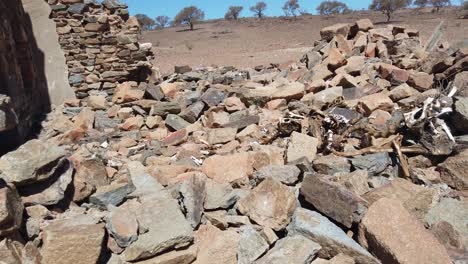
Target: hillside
{"x":250,"y":42}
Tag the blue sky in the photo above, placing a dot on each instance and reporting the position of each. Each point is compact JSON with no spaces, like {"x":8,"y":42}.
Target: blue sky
{"x":217,"y":8}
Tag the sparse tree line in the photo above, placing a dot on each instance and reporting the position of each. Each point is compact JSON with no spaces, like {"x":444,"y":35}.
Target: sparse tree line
{"x":191,"y":15}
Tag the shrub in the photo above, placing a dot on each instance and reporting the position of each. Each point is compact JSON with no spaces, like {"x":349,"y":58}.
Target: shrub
{"x":162,"y":21}
{"x":388,"y":7}
{"x":259,"y":9}
{"x":332,"y":8}
{"x":439,"y":3}
{"x":233,"y":12}
{"x":146,"y":23}
{"x":291,"y":7}
{"x":189,"y":16}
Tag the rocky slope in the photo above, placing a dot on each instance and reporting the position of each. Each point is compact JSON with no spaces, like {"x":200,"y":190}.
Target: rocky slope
{"x":352,"y":155}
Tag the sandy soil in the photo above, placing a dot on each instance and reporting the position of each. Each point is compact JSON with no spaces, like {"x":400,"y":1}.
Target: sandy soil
{"x":250,"y":42}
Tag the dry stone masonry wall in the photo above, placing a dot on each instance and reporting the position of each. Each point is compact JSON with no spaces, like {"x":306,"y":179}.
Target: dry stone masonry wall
{"x":100,"y":42}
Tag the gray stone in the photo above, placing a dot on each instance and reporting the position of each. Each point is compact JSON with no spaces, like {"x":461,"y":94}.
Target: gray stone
{"x":164,"y":108}
{"x":251,"y":245}
{"x":76,"y":79}
{"x":114,"y":4}
{"x":356,"y":181}
{"x":326,"y":96}
{"x":8,"y":118}
{"x":331,"y":238}
{"x":213,"y":97}
{"x":113,"y":194}
{"x":460,"y":116}
{"x":141,"y":180}
{"x":50,"y":191}
{"x":312,"y":58}
{"x":287,"y":174}
{"x":34,"y":161}
{"x":192,"y":112}
{"x":453,"y":212}
{"x":176,"y":122}
{"x":171,"y":230}
{"x":461,"y":82}
{"x":302,"y":145}
{"x":192,"y":76}
{"x":333,"y":200}
{"x":154,"y":92}
{"x":10,"y":251}
{"x":332,"y":164}
{"x":220,"y":195}
{"x":193,"y":193}
{"x":11,"y":209}
{"x":77,"y":8}
{"x":239,"y":120}
{"x":122,"y":224}
{"x":373,"y":163}
{"x":294,"y":249}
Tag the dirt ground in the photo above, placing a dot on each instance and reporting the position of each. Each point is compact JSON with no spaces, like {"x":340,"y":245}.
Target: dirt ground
{"x":250,"y":42}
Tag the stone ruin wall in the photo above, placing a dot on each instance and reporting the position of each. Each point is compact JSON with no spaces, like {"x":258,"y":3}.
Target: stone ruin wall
{"x":100,"y":42}
{"x":101,"y":49}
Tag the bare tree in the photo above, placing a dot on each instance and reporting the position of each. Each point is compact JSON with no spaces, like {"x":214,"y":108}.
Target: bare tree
{"x":233,"y":12}
{"x":146,"y":23}
{"x":332,"y":8}
{"x":388,"y":7}
{"x":259,"y":9}
{"x":189,"y":16}
{"x":439,"y":4}
{"x":291,"y":7}
{"x":161,"y":21}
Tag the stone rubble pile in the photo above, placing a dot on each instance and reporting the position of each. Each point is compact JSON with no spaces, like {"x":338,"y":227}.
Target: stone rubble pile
{"x":354,"y":154}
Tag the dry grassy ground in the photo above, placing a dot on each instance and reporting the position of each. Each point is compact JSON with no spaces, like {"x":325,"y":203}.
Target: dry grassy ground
{"x":250,"y":42}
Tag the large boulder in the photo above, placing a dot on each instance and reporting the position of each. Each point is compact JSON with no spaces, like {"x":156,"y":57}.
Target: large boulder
{"x":395,"y":236}
{"x":65,"y":243}
{"x":293,"y":249}
{"x":32,"y":162}
{"x":331,"y":238}
{"x":11,"y":209}
{"x":171,"y":230}
{"x":276,"y":213}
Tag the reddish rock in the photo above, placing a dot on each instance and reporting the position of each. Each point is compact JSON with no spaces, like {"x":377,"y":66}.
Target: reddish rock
{"x":333,"y":200}
{"x":233,"y":104}
{"x":124,"y":93}
{"x":228,"y":169}
{"x":133,"y":123}
{"x":376,"y":101}
{"x":81,"y":244}
{"x":328,"y":33}
{"x":276,"y":213}
{"x":216,"y":246}
{"x":453,"y":171}
{"x":395,"y":236}
{"x":421,"y":81}
{"x":416,"y":199}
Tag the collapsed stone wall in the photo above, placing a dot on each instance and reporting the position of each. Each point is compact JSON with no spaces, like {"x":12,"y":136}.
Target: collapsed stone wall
{"x":23,"y":87}
{"x":100,"y":42}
